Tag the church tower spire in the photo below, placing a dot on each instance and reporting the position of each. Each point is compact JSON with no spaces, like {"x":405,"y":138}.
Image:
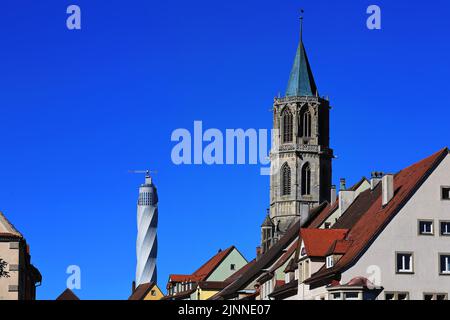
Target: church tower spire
{"x":300,"y":156}
{"x":301,"y":80}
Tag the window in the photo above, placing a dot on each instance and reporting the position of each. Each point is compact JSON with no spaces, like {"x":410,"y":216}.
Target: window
{"x":330,"y":262}
{"x":305,"y":123}
{"x":404,"y":262}
{"x":351,"y":296}
{"x":232,"y":267}
{"x":303,"y":270}
{"x":445,"y":193}
{"x":153,"y":293}
{"x":336,"y":296}
{"x":445,"y":228}
{"x":306,"y":179}
{"x":403,"y":296}
{"x":441,"y":296}
{"x":327,"y":225}
{"x":287,"y":126}
{"x":389,"y":296}
{"x":286,"y":180}
{"x":444,"y":260}
{"x":426,"y":227}
{"x":435,"y":296}
{"x":396,"y":295}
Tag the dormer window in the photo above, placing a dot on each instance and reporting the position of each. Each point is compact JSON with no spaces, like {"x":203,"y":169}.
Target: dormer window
{"x":329,"y":262}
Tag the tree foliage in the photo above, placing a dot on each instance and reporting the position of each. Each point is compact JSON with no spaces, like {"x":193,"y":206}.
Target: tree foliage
{"x":3,"y":272}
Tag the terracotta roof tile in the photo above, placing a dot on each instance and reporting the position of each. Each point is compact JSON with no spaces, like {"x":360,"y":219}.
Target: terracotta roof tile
{"x":318,"y":241}
{"x":141,"y":291}
{"x":202,"y":273}
{"x":373,"y":221}
{"x":67,"y":295}
{"x":205,"y":270}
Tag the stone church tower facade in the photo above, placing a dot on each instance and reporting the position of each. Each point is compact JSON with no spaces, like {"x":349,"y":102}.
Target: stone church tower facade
{"x":301,"y":172}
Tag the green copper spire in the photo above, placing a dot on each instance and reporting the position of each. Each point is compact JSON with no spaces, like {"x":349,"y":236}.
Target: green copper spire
{"x":301,"y":80}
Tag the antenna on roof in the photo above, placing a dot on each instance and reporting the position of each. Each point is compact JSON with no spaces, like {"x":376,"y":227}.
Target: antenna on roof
{"x":146,"y":172}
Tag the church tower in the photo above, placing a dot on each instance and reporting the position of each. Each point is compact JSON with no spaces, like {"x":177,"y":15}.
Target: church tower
{"x":300,"y":156}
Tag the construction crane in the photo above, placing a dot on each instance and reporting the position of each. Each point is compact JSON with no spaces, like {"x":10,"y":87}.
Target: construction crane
{"x":147,"y":172}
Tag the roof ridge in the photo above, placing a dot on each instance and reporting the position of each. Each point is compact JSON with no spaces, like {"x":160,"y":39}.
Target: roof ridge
{"x":224,"y":254}
{"x":365,"y":237}
{"x":9,"y":225}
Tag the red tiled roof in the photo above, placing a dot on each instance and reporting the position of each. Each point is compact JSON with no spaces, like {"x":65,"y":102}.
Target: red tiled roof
{"x":141,"y":291}
{"x":370,"y":225}
{"x":324,"y":214}
{"x":205,"y":270}
{"x":339,"y":247}
{"x":212,"y":285}
{"x":318,"y":241}
{"x":289,"y":252}
{"x":240,"y":272}
{"x":67,"y":295}
{"x":183,"y":278}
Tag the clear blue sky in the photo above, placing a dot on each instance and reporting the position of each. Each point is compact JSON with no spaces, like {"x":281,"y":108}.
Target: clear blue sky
{"x":78,"y":109}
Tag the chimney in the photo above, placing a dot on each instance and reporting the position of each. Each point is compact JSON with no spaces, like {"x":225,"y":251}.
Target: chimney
{"x":342,"y":186}
{"x":388,"y":188}
{"x":375,"y":179}
{"x":258,"y":251}
{"x":333,"y":194}
{"x":133,"y":287}
{"x":304,"y":213}
{"x":346,"y":198}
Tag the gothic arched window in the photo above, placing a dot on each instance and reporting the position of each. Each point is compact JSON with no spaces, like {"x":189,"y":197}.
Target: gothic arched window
{"x":285,"y":180}
{"x":306,"y":124}
{"x":306,"y":179}
{"x":287,"y":121}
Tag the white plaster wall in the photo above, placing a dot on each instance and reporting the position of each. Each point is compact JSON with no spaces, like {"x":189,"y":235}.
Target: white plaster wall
{"x":11,"y":256}
{"x":402,"y":235}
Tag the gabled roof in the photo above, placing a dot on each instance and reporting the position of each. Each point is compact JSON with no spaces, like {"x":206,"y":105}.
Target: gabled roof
{"x":318,"y":241}
{"x":67,"y":295}
{"x":358,"y":208}
{"x":358,"y":184}
{"x":141,"y":291}
{"x":267,"y":222}
{"x":301,"y":80}
{"x":180,"y":295}
{"x":285,"y":257}
{"x":264,"y":261}
{"x":285,"y":290}
{"x":7,"y":229}
{"x":205,"y":270}
{"x":324,"y":214}
{"x":268,"y":258}
{"x":369,"y":225}
{"x":339,"y":247}
{"x":202,"y":273}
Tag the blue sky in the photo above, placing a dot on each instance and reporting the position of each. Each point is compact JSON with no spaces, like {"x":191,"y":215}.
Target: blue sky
{"x":81,"y":108}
